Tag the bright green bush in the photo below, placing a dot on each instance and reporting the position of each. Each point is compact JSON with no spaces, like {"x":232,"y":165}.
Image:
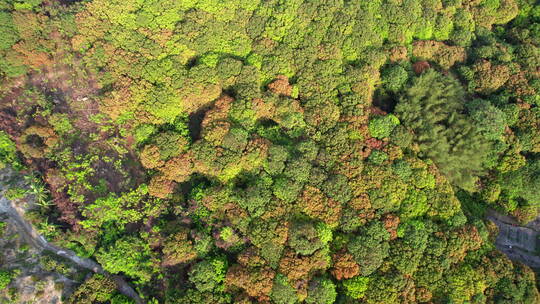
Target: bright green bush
{"x":121,"y":299}
{"x":356,"y":287}
{"x":5,"y":279}
{"x":61,"y":123}
{"x":208,"y":275}
{"x":394,"y":78}
{"x":377,"y":157}
{"x":143,"y":132}
{"x":8,"y":151}
{"x":382,"y":126}
{"x":129,"y":255}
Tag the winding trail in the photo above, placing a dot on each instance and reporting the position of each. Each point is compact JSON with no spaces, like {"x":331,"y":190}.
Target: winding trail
{"x":32,"y":237}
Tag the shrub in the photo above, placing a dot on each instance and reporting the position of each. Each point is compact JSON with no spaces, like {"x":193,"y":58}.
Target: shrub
{"x":321,"y":291}
{"x":143,"y":132}
{"x":324,"y":232}
{"x":121,"y":299}
{"x":286,"y":189}
{"x":3,"y":226}
{"x":5,"y":278}
{"x":98,"y":288}
{"x":382,"y":126}
{"x":226,"y":233}
{"x":8,"y":151}
{"x":129,"y":255}
{"x":356,"y":287}
{"x":236,"y":140}
{"x":208,"y":275}
{"x":370,"y":247}
{"x":337,"y":187}
{"x":304,"y":238}
{"x":177,"y":249}
{"x":61,"y":123}
{"x":8,"y":32}
{"x":277,"y":155}
{"x":377,"y":157}
{"x":394,"y":78}
{"x":298,"y":169}
{"x":282,"y":291}
{"x":14,"y":193}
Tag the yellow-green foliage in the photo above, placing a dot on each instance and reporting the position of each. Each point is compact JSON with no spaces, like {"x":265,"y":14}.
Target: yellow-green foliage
{"x":8,"y":151}
{"x":5,"y":279}
{"x":328,"y":151}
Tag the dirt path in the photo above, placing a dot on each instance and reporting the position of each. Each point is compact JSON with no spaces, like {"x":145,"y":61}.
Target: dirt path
{"x":32,"y":237}
{"x":519,"y":243}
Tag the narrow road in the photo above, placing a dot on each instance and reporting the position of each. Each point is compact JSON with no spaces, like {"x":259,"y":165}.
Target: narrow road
{"x":519,"y":243}
{"x":32,"y":237}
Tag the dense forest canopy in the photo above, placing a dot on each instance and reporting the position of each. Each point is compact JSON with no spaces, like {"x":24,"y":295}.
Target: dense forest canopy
{"x":279,"y":151}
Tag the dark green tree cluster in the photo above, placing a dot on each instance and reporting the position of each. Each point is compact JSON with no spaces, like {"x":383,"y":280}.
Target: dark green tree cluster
{"x":432,"y":107}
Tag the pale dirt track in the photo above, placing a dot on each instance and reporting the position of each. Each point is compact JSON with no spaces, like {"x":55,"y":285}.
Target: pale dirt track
{"x":33,"y":238}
